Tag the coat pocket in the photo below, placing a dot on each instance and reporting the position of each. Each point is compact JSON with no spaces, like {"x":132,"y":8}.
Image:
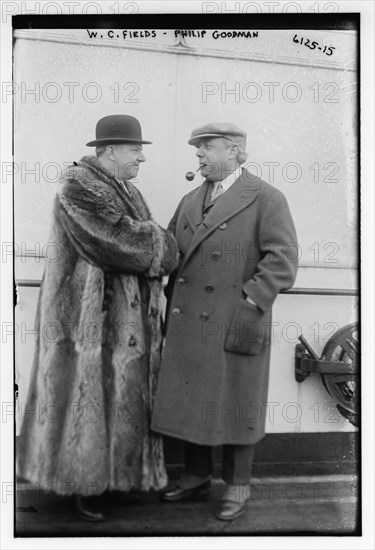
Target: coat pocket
{"x":245,"y":335}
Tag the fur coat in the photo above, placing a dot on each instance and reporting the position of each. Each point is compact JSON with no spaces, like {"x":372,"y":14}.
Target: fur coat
{"x":86,"y":425}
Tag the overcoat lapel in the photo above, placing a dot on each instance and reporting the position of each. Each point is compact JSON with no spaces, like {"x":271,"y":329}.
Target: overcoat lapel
{"x":193,"y":206}
{"x":239,"y":196}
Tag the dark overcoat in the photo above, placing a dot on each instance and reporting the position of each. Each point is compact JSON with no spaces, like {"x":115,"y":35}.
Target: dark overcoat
{"x":86,"y":423}
{"x":213,"y":381}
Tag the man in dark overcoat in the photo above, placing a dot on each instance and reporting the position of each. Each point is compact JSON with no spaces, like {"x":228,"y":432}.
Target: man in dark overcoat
{"x":238,"y":250}
{"x":86,"y":427}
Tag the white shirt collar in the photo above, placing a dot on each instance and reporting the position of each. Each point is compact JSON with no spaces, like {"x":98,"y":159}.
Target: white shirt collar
{"x":229,"y":180}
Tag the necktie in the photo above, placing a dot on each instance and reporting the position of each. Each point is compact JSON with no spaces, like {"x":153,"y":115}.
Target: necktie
{"x":125,"y":188}
{"x":219,"y":191}
{"x":122,"y":183}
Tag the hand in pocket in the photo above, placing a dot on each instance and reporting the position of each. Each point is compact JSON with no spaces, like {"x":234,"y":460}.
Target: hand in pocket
{"x":246,"y":332}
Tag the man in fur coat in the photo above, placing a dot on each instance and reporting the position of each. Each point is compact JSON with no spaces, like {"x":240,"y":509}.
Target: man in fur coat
{"x":238,"y":251}
{"x":86,"y":425}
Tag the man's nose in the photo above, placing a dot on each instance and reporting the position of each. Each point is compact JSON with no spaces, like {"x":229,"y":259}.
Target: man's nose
{"x":141,"y":157}
{"x":199,"y":152}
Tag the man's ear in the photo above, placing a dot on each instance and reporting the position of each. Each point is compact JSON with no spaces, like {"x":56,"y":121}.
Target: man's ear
{"x":111,"y":152}
{"x":234,"y":151}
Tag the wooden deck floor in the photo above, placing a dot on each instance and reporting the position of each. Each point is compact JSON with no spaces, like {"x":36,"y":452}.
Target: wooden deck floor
{"x":321,"y":505}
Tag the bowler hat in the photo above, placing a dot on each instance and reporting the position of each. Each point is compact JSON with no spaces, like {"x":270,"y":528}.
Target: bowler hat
{"x":225,"y":130}
{"x":117,"y":129}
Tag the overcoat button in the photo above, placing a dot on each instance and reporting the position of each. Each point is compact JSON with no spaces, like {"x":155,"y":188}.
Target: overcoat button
{"x":223,"y":226}
{"x":216,"y":256}
{"x":209,"y":288}
{"x":204,"y":316}
{"x":181,"y":281}
{"x":176,"y":312}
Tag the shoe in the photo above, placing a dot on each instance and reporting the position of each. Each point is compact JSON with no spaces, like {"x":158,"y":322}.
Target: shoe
{"x":85,"y":508}
{"x":231,"y":510}
{"x":174,"y":492}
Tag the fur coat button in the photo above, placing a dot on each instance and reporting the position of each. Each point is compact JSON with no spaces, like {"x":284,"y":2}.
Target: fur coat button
{"x":154,"y":312}
{"x":135,"y":301}
{"x":132,"y":341}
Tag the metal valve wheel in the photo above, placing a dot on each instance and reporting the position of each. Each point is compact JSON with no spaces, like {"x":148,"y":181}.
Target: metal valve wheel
{"x":343,"y":387}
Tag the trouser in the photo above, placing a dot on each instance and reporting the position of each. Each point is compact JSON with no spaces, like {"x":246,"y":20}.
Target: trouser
{"x":237,"y":462}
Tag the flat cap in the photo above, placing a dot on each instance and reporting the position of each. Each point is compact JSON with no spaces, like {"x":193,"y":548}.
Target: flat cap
{"x":225,"y":130}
